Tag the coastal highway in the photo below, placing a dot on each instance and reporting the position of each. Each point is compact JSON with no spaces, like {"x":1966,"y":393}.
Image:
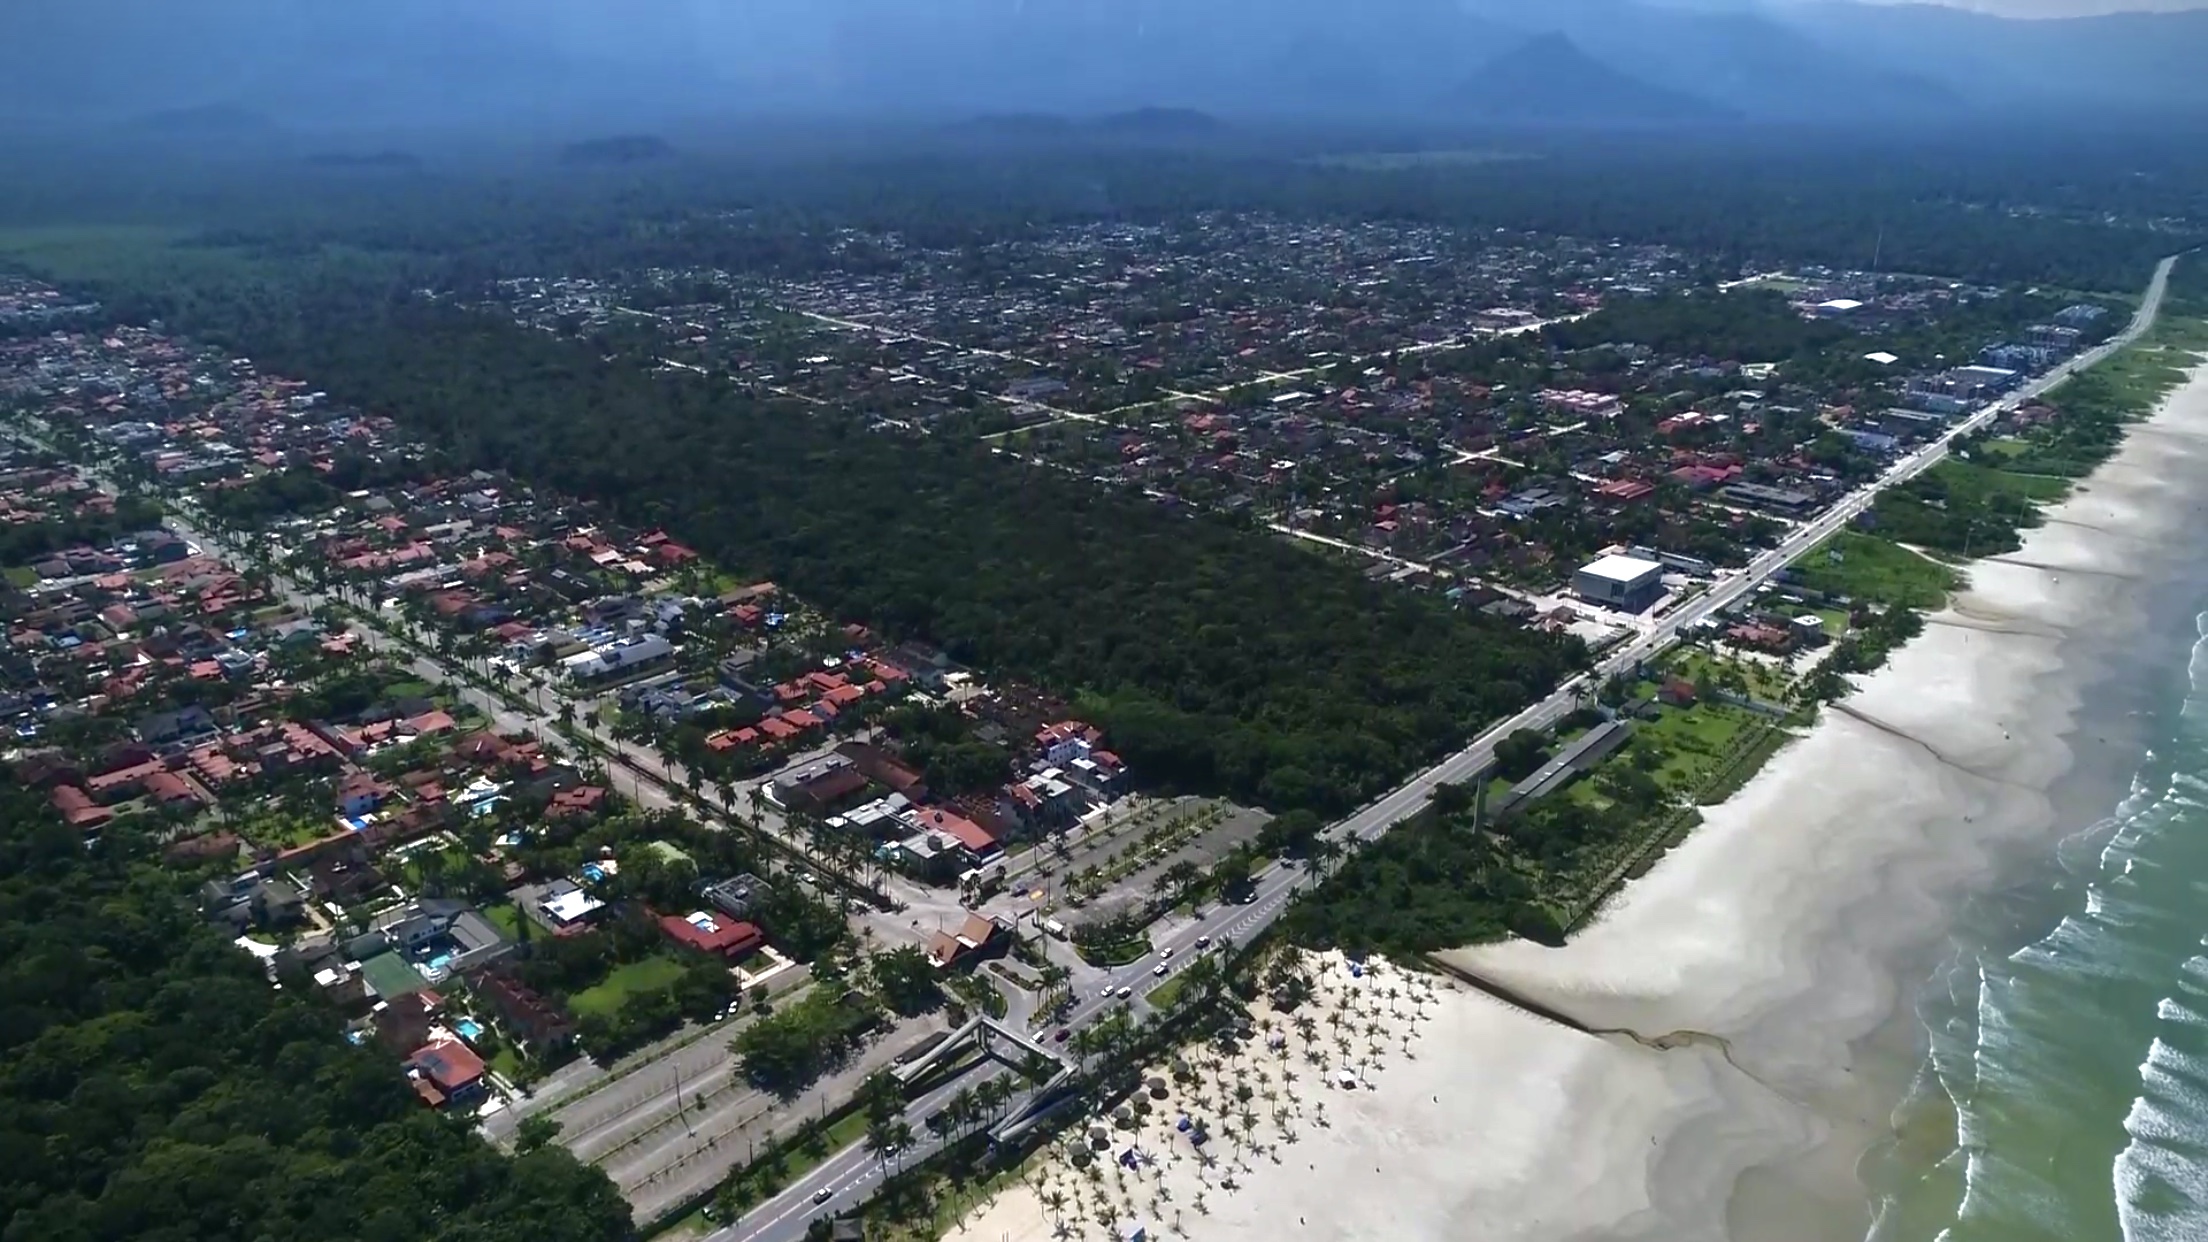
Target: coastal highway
{"x":849,"y":1176}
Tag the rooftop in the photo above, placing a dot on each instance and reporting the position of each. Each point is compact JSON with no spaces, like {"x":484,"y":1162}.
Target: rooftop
{"x":1619,"y":568}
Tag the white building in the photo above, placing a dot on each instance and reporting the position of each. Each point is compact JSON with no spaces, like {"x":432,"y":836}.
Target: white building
{"x":615,"y":657}
{"x":1625,"y":583}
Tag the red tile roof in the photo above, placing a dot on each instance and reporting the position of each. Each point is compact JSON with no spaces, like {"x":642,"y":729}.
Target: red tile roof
{"x":713,"y":933}
{"x":449,"y":1065}
{"x":959,"y":828}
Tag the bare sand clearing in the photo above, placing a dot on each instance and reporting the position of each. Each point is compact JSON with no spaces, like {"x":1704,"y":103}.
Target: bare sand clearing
{"x":1748,"y":974}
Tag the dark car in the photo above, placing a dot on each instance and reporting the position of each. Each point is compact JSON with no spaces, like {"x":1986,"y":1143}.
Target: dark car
{"x":1061,"y":1036}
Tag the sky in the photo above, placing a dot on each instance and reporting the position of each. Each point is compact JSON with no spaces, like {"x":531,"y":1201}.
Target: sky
{"x":2069,"y":8}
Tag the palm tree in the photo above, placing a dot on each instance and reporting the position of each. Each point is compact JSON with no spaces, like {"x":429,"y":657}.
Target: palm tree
{"x":993,"y":1095}
{"x":886,"y":1138}
{"x":963,"y":1110}
{"x":1324,"y":853}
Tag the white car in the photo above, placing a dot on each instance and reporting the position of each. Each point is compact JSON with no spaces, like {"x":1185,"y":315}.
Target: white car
{"x":1160,"y":969}
{"x":824,"y":1194}
{"x":1165,"y":955}
{"x":1124,"y":993}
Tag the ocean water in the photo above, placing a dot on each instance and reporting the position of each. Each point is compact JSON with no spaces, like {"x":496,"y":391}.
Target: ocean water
{"x":2064,"y":1095}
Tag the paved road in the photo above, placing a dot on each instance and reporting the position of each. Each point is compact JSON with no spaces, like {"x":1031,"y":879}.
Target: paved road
{"x":843,"y":1182}
{"x":847,"y":1177}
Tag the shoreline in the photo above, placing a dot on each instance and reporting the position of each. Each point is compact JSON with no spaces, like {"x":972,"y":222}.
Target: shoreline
{"x":1755,"y":986}
{"x":1952,"y":771}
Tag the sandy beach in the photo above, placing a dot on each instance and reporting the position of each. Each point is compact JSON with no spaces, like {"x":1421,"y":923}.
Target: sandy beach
{"x":1752,"y":982}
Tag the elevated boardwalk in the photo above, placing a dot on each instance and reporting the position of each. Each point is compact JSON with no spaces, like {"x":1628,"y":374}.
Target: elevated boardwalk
{"x":991,"y":1034}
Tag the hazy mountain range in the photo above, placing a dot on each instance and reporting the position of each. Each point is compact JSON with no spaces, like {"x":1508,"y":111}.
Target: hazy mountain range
{"x":621,"y":63}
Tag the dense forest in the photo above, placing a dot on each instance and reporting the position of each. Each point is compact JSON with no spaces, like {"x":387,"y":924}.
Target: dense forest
{"x":153,"y":1085}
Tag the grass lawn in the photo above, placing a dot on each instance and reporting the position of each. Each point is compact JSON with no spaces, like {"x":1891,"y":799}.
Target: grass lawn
{"x":1693,"y":741}
{"x":651,"y":974}
{"x":508,"y":1063}
{"x":1866,"y":567}
{"x":695,"y":1225}
{"x":409,"y":690}
{"x":1163,"y":995}
{"x":505,"y":918}
{"x":1763,"y":680}
{"x":277,"y":830}
{"x":1115,"y":953}
{"x":1750,"y":760}
{"x":1970,"y":480}
{"x":2147,"y":370}
{"x":21,"y":576}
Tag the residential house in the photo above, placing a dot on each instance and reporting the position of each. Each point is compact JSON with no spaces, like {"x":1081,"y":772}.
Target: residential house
{"x":820,"y":787}
{"x":360,"y":794}
{"x":1044,"y":802}
{"x":524,"y":1015}
{"x":161,"y":728}
{"x":407,"y":1021}
{"x":739,"y":897}
{"x":981,"y":936}
{"x":253,"y":901}
{"x":879,"y":767}
{"x":79,"y":810}
{"x":718,"y":935}
{"x":446,"y":1074}
{"x":566,"y":908}
{"x":945,"y":843}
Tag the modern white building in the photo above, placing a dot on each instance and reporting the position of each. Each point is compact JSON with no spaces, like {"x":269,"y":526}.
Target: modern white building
{"x":1625,"y":583}
{"x":614,"y":657}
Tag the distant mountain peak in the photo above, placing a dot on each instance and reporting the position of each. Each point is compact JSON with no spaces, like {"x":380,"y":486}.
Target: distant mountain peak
{"x":1550,"y":79}
{"x":1163,"y":120}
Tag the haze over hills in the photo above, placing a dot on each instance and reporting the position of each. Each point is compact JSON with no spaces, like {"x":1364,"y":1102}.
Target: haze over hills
{"x":1756,"y":66}
{"x":1549,"y":80}
{"x":2138,"y":61}
{"x":601,"y":65}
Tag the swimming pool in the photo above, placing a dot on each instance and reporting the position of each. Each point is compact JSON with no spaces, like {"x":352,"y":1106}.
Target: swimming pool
{"x":468,"y":1029}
